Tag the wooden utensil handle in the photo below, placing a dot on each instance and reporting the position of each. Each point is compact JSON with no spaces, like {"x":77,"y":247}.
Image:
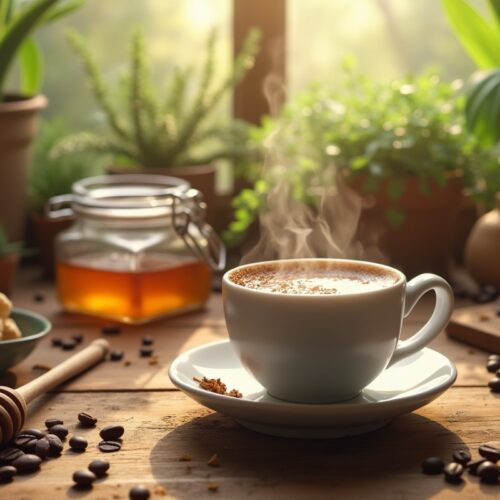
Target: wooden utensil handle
{"x":86,"y":358}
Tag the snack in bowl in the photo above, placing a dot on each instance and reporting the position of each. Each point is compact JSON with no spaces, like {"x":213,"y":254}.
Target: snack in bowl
{"x":8,"y":327}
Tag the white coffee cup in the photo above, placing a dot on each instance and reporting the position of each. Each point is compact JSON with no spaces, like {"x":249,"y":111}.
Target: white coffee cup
{"x":326,"y":348}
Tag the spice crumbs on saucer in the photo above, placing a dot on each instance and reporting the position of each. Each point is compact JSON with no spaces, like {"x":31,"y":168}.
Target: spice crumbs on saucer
{"x":217,"y":386}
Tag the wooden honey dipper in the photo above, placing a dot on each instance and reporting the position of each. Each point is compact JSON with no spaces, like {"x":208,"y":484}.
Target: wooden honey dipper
{"x":13,"y":402}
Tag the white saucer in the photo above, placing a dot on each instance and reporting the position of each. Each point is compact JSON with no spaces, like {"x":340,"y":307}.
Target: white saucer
{"x":402,"y":388}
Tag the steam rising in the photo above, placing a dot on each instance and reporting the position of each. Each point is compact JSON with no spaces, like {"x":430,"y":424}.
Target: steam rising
{"x":293,"y":229}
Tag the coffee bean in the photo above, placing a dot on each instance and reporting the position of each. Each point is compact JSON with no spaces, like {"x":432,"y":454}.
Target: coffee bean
{"x":8,"y":455}
{"x":432,"y":465}
{"x":26,"y":442}
{"x":109,"y":446}
{"x":483,"y":297}
{"x":39,"y":297}
{"x":111,"y":330}
{"x":42,"y":448}
{"x":146,"y":351}
{"x":494,"y":384}
{"x":78,"y":338}
{"x":473,"y":466}
{"x":494,"y":357}
{"x":139,"y":493}
{"x":56,"y":342}
{"x":490,"y":290}
{"x":27,"y":463}
{"x":490,"y":452}
{"x":53,"y":421}
{"x":84,"y":478}
{"x":493,"y":365}
{"x":86,"y":420}
{"x":78,"y":443}
{"x":56,"y":445}
{"x":116,"y":355}
{"x":68,"y":344}
{"x":7,"y":472}
{"x":61,"y":431}
{"x":33,"y":432}
{"x":453,"y":472}
{"x":111,"y":432}
{"x":99,"y":467}
{"x":461,"y":456}
{"x":148,"y":340}
{"x":488,"y":472}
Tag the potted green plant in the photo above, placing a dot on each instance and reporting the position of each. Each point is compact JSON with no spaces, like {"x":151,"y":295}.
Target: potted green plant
{"x":401,"y":144}
{"x":53,"y":176}
{"x":9,"y":257}
{"x":18,"y":110}
{"x":174,"y":134}
{"x":480,"y":36}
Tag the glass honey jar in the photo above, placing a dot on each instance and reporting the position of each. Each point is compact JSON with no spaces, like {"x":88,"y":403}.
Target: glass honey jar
{"x":139,"y":248}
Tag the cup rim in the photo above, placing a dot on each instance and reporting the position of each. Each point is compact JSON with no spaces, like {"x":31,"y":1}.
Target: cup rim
{"x":228,"y":282}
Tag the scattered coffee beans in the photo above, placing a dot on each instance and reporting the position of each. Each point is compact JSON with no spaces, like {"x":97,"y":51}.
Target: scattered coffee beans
{"x":86,"y":420}
{"x":493,"y":363}
{"x":99,"y":467}
{"x":78,"y":443}
{"x":148,"y":340}
{"x":473,"y":466}
{"x":111,"y":432}
{"x":116,"y":355}
{"x":68,"y":344}
{"x":432,"y":465}
{"x":26,"y":442}
{"x":109,"y":446}
{"x":27,"y":463}
{"x":61,"y":431}
{"x":56,"y":445}
{"x":42,"y":448}
{"x":33,"y":432}
{"x":494,"y":384}
{"x":453,"y":472}
{"x":53,"y":421}
{"x":461,"y":457}
{"x":84,"y":478}
{"x":490,"y":452}
{"x":146,"y":351}
{"x":111,"y":330}
{"x":8,"y":455}
{"x":488,"y":472}
{"x":56,"y":342}
{"x":7,"y":472}
{"x":39,"y":297}
{"x":78,"y":338}
{"x":139,"y":493}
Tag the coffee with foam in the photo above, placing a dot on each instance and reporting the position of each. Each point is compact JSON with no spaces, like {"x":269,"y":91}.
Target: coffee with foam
{"x":314,"y":278}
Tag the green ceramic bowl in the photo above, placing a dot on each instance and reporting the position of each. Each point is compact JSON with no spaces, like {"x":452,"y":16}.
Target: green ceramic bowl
{"x":33,"y":328}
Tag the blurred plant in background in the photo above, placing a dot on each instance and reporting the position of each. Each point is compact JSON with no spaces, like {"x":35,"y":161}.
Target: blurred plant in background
{"x":378,"y":134}
{"x":17,"y":22}
{"x":53,"y":176}
{"x":176,"y":129}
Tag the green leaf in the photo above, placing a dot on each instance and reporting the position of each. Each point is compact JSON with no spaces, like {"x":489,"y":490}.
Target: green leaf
{"x":31,"y":65}
{"x":395,"y":217}
{"x":495,"y":10}
{"x":5,"y":14}
{"x":371,"y":185}
{"x":395,"y":189}
{"x":64,"y":10}
{"x":17,"y":32}
{"x":479,"y":38}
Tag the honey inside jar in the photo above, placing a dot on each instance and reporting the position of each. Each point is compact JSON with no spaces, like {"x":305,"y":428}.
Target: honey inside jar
{"x":132,"y":290}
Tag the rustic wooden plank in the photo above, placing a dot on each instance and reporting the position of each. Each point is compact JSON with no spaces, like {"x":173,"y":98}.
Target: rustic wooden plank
{"x":161,"y":427}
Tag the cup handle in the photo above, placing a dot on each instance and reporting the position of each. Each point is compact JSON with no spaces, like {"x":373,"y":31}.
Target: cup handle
{"x":415,"y":288}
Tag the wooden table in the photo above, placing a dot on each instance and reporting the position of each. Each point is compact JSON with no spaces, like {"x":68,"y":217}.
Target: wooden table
{"x":162,"y":426}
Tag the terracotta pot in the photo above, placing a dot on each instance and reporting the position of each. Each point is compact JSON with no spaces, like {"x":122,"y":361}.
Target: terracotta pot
{"x":424,"y":241}
{"x":8,"y":267}
{"x":45,"y":231}
{"x":201,"y":177}
{"x":482,"y":251}
{"x":18,"y":127}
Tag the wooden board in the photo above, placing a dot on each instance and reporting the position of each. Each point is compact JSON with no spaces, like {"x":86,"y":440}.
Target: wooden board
{"x":478,"y":326}
{"x":161,"y":427}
